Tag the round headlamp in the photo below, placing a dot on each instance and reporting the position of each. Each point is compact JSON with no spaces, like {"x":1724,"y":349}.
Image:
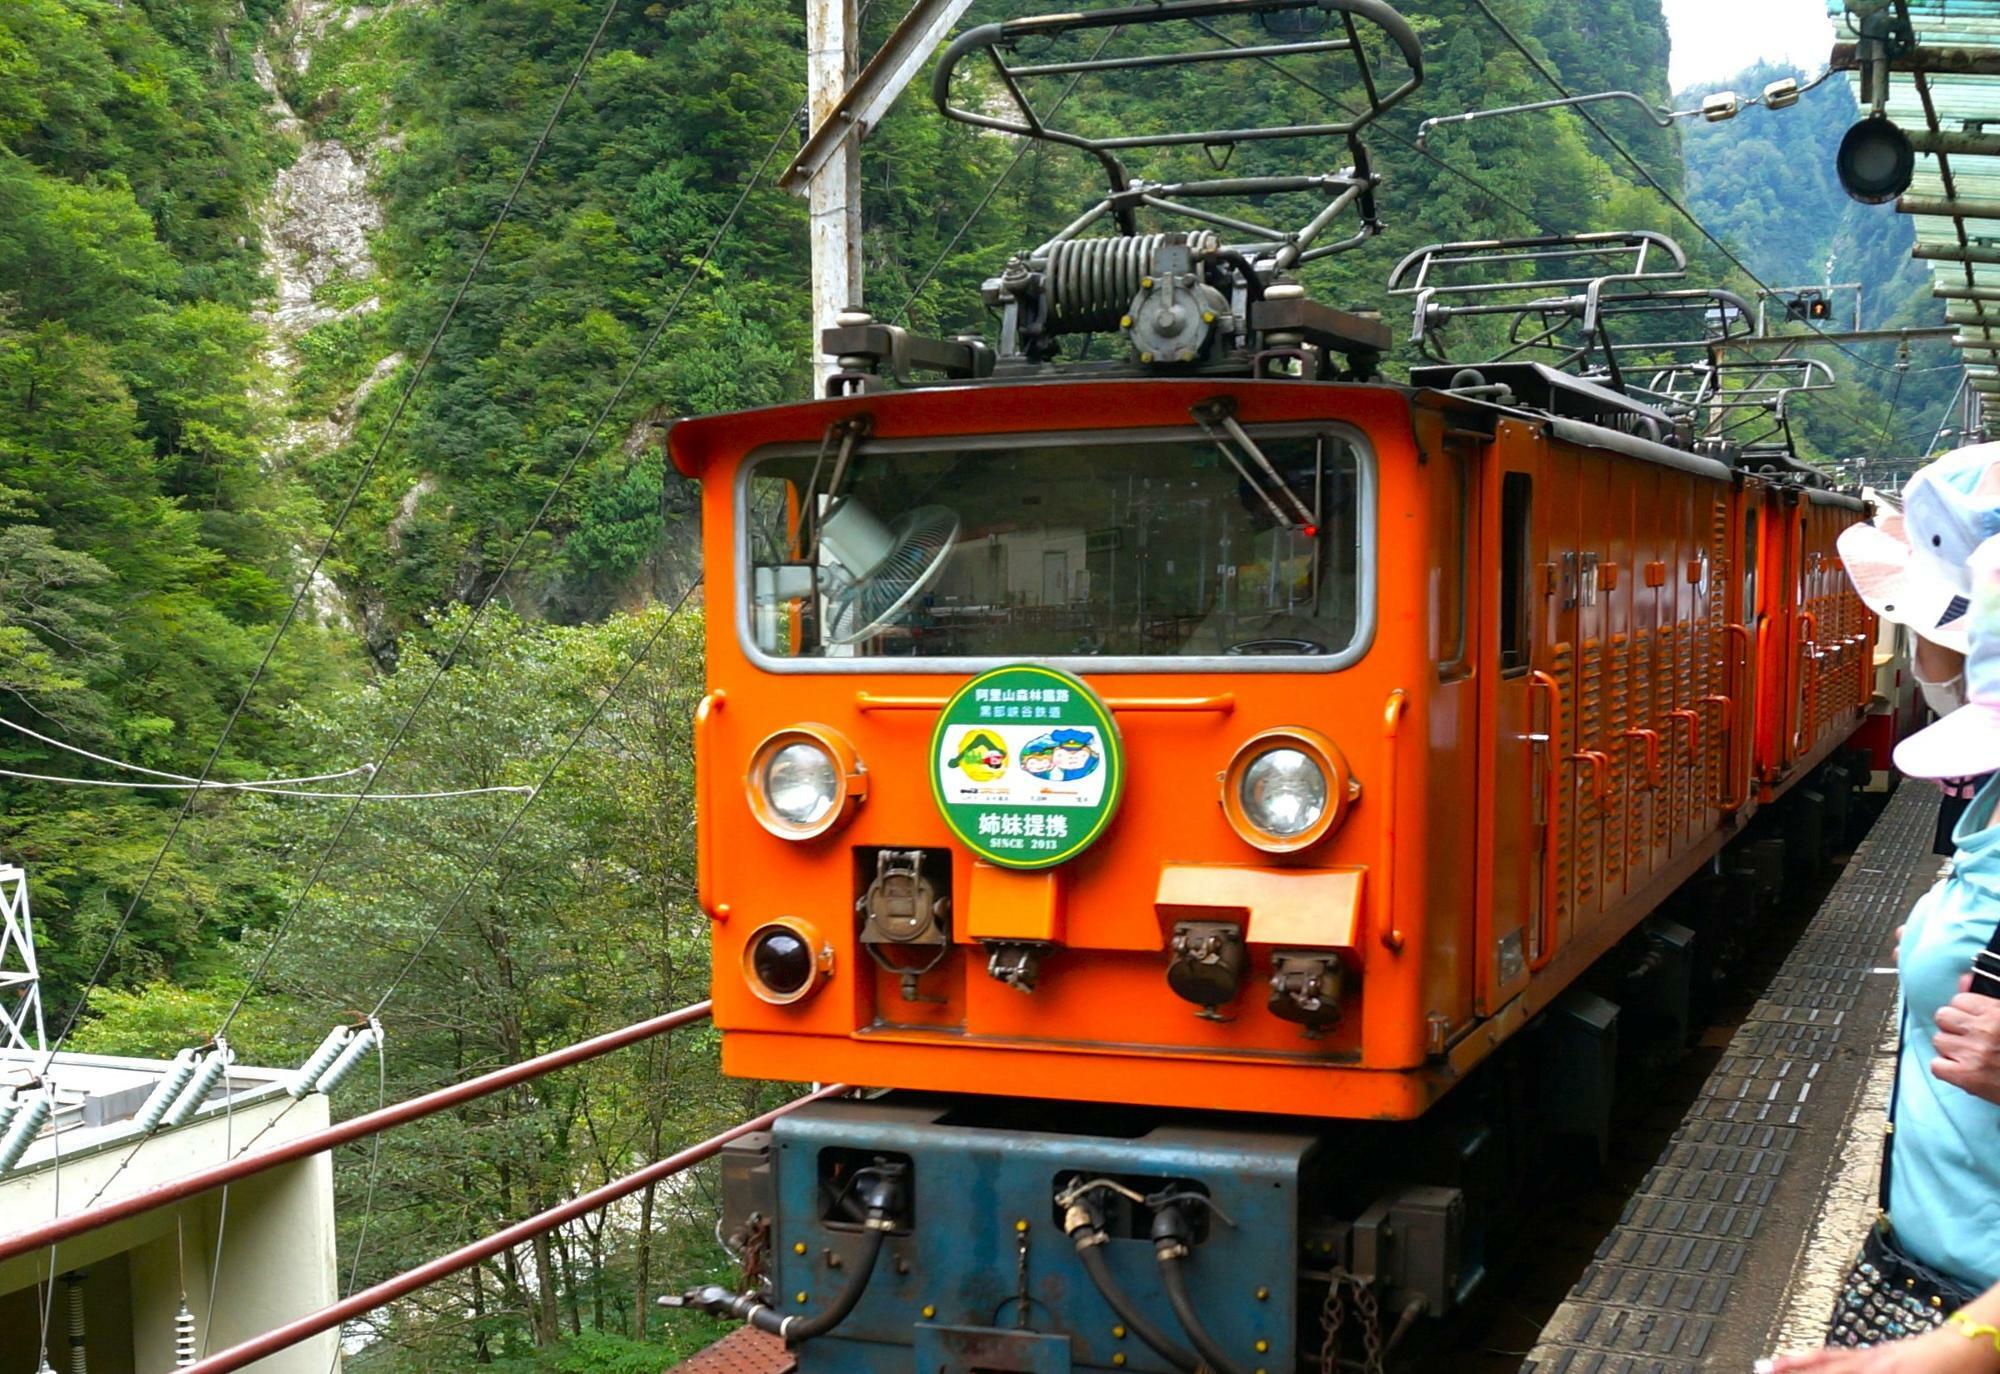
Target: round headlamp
{"x":1286,"y":790}
{"x":801,"y":783}
{"x":805,"y":781}
{"x":785,"y":961}
{"x":1283,"y":792}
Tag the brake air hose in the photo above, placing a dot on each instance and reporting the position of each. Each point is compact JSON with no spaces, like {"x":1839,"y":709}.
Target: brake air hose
{"x":884,"y":1198}
{"x":750,"y":1308}
{"x":1086,"y":1230}
{"x":1171,"y":1235}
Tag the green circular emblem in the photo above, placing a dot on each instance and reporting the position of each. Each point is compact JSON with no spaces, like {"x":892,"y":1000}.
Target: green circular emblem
{"x":1026,"y":766}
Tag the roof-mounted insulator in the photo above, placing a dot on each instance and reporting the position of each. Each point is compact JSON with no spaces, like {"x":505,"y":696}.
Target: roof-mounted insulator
{"x":214,"y":1065}
{"x":318,"y":1061}
{"x":357,"y":1048}
{"x":165,"y":1091}
{"x":10,"y":1103}
{"x":26,"y":1126}
{"x":79,"y":1362}
{"x":184,"y":1337}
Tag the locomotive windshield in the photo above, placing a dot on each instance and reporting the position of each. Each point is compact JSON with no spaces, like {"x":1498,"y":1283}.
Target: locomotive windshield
{"x":1174,"y":548}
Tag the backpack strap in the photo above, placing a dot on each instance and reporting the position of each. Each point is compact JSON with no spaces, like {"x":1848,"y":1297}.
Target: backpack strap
{"x":1895,"y":1092}
{"x":1986,"y":967}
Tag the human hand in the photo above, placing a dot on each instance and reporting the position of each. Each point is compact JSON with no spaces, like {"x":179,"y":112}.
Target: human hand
{"x":1968,"y":1043}
{"x":1939,"y":1352}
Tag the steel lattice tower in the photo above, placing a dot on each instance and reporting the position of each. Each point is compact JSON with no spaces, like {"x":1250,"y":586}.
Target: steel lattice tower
{"x":20,"y":977}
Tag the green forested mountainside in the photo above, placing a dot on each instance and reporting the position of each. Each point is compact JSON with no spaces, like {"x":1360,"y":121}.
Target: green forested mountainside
{"x":665,"y":130}
{"x":227,"y":231}
{"x":1766,"y":183}
{"x":147,"y":547}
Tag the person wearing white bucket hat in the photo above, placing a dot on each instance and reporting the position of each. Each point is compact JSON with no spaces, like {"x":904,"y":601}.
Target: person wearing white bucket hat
{"x":1968,"y":740}
{"x":1941,"y":1167}
{"x":1903,"y":590}
{"x":1951,"y":507}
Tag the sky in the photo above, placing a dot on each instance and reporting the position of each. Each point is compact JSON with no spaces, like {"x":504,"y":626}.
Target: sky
{"x":1715,"y":39}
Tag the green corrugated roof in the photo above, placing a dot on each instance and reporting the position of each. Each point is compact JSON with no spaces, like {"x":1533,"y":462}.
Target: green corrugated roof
{"x":1962,"y":103}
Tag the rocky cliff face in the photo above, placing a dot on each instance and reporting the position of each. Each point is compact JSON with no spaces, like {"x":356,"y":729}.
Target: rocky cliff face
{"x":316,"y":225}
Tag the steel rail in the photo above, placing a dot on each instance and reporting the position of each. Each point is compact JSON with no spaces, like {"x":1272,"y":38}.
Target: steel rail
{"x":355,"y":1128}
{"x":410,"y":1280}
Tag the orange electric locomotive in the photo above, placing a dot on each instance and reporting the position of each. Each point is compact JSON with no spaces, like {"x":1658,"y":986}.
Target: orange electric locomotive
{"x":1153,"y":769}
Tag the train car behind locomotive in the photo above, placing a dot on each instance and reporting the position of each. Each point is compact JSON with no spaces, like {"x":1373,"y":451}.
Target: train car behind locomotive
{"x":1176,"y":776}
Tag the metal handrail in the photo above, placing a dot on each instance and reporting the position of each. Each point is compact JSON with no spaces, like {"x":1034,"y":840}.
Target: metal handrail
{"x":1219,"y":703}
{"x":355,"y":1128}
{"x":403,"y":1284}
{"x":1543,"y":945}
{"x":1692,"y":719}
{"x":1655,"y":770}
{"x":1392,"y":723}
{"x":704,"y":854}
{"x":1734,"y":799}
{"x":1600,"y":774}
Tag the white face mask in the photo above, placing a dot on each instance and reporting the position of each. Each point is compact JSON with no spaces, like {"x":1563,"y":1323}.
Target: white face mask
{"x":1944,"y":697}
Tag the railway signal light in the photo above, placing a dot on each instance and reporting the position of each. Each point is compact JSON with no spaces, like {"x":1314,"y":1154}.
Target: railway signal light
{"x":1876,"y":161}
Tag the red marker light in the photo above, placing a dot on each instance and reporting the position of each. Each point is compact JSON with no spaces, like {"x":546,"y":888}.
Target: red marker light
{"x":1312,"y":531}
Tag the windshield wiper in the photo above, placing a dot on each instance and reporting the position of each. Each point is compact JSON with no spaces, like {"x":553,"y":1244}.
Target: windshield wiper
{"x":849,"y":431}
{"x":1217,"y":419}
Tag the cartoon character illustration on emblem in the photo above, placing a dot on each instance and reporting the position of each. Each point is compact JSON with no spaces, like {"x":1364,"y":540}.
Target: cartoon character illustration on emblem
{"x":1038,"y":756}
{"x":1075,"y":755}
{"x":981,"y":756}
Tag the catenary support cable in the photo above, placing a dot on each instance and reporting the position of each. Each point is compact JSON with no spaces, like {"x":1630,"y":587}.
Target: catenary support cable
{"x":1674,"y":202}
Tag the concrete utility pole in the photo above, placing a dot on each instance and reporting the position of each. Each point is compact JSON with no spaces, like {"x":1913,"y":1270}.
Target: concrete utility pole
{"x":835,"y":188}
{"x":844,"y":107}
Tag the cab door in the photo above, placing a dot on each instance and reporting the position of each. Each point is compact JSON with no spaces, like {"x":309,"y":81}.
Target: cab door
{"x":1517,"y":745}
{"x":1739,"y":649}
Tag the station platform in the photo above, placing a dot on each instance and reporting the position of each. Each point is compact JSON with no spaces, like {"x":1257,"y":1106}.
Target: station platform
{"x":1736,"y":1241}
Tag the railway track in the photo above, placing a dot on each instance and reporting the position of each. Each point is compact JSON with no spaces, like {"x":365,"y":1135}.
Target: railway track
{"x":1686,"y":1309}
